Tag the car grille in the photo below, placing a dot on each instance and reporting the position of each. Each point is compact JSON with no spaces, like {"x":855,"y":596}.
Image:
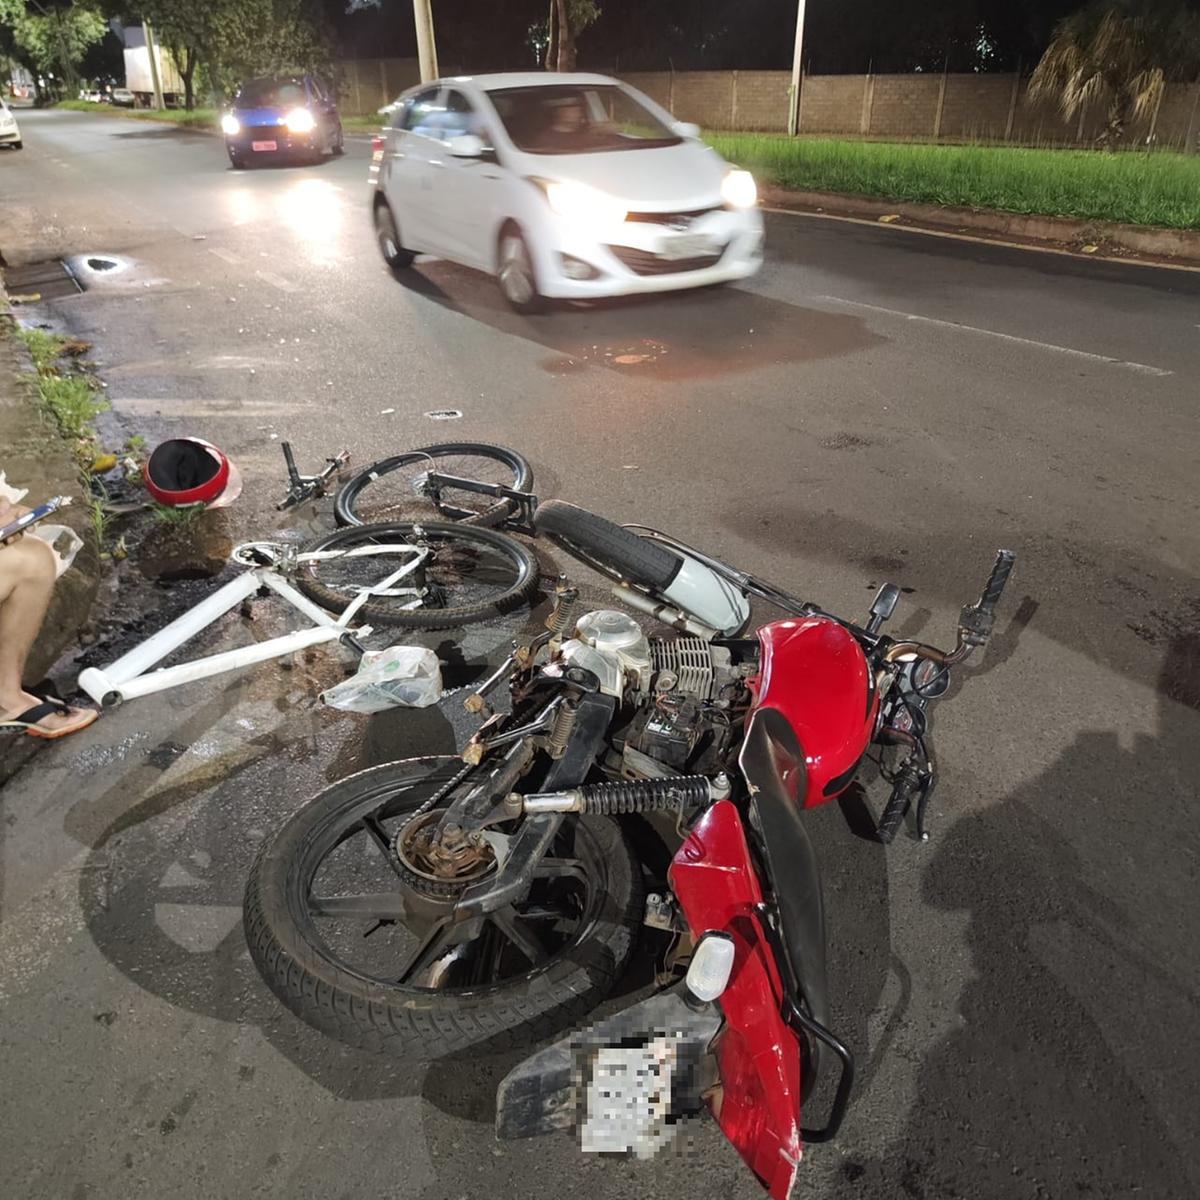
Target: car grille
{"x":674,"y":219}
{"x":645,"y":262}
{"x":266,"y":132}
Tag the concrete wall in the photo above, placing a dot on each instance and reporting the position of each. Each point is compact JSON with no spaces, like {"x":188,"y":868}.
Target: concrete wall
{"x":918,"y":107}
{"x":367,"y":84}
{"x":922,"y":107}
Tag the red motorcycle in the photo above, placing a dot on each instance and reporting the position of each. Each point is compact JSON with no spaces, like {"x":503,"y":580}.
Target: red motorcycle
{"x":440,"y":906}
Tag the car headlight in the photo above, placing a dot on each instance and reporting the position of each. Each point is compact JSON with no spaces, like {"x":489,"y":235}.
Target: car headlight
{"x":231,"y":125}
{"x":738,"y":189}
{"x":300,"y":120}
{"x":582,"y":204}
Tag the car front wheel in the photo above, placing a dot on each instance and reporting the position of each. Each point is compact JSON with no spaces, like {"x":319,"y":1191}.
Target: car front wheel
{"x":388,"y":237}
{"x":516,"y":275}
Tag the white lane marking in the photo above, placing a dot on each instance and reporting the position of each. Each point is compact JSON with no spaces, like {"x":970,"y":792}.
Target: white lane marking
{"x":1142,"y":368}
{"x":284,"y":285}
{"x":226,"y":255}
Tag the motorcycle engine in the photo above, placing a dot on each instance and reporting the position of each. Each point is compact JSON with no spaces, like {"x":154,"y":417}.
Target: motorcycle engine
{"x":678,"y":688}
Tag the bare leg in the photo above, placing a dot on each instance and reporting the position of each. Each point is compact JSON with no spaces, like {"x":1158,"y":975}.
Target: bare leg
{"x":27,"y":572}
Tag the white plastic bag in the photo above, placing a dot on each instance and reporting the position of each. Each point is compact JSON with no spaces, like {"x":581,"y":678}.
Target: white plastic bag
{"x":400,"y":676}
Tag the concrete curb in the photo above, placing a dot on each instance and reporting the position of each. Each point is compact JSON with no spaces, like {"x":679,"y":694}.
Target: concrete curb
{"x":35,"y":456}
{"x":1166,"y":246}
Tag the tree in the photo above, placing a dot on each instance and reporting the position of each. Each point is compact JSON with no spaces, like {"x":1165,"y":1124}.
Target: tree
{"x":51,"y":39}
{"x":233,"y":40}
{"x":1119,"y":53}
{"x":568,"y":18}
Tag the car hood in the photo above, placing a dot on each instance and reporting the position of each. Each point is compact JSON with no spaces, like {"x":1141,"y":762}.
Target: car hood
{"x":663,"y":179}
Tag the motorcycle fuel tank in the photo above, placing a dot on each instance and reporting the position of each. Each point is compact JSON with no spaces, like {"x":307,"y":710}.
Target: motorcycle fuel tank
{"x":813,"y":671}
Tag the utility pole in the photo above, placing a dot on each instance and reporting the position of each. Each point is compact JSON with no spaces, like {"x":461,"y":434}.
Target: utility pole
{"x":155,"y":79}
{"x":426,"y":47}
{"x":793,"y":125}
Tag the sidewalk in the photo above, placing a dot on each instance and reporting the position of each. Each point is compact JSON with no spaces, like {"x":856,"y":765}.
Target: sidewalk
{"x":35,"y":457}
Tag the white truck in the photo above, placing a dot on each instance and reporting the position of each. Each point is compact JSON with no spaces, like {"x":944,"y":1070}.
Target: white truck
{"x":138,"y":77}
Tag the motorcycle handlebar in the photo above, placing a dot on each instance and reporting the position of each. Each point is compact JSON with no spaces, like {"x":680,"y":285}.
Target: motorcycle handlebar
{"x":994,"y":587}
{"x":974,"y":625}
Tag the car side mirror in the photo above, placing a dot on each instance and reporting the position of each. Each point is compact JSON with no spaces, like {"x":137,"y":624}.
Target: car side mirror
{"x":686,"y":129}
{"x":466,"y":145}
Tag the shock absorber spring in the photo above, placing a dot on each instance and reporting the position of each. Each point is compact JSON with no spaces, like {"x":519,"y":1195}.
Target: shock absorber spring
{"x":645,"y":795}
{"x":564,"y":724}
{"x":559,"y":620}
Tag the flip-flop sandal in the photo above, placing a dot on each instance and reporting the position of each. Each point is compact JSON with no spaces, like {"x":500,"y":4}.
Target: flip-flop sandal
{"x":28,"y":720}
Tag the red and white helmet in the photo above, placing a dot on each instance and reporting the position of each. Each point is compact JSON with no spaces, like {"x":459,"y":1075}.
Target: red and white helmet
{"x":187,"y":471}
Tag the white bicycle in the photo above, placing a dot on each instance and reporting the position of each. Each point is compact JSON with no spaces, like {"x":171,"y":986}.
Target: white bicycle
{"x":408,"y":574}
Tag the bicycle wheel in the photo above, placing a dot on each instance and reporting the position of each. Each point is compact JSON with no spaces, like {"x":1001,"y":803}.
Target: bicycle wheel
{"x":394,"y":489}
{"x":468,"y":574}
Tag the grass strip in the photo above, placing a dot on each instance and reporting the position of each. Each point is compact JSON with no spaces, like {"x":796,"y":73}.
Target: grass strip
{"x":1137,"y":187}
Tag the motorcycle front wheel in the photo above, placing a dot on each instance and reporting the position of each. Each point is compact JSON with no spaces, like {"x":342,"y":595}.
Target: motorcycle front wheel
{"x":325,"y":923}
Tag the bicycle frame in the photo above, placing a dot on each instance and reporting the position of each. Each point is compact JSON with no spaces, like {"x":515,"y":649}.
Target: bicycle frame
{"x":131,"y":675}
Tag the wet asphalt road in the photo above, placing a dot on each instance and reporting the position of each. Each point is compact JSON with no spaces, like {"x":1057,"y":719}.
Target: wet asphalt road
{"x":1021,"y":992}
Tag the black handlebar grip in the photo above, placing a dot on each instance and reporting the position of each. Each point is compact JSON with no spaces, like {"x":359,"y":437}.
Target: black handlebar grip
{"x":893,"y":814}
{"x":997,"y":579}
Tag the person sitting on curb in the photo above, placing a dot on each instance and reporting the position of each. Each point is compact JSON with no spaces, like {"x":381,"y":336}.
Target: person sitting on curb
{"x":27,"y":573}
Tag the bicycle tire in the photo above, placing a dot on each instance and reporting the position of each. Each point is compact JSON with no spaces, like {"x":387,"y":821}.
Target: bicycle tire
{"x":351,"y":492}
{"x":607,"y":547}
{"x":521,"y":561}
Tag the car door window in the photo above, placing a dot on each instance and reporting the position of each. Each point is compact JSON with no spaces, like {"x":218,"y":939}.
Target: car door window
{"x":424,"y":114}
{"x":460,"y":118}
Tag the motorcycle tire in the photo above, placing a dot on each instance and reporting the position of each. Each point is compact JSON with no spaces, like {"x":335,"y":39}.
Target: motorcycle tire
{"x":423,"y":1023}
{"x":364,"y":497}
{"x":607,"y":547}
{"x":501,"y":596}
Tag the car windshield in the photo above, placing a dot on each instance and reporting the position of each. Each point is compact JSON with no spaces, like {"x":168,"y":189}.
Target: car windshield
{"x":271,"y":93}
{"x":578,"y":119}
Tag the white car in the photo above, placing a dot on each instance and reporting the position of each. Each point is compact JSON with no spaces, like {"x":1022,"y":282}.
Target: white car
{"x":10,"y":134}
{"x":560,"y":185}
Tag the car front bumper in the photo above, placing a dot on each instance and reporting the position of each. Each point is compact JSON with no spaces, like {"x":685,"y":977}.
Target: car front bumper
{"x":10,"y":134}
{"x":285,"y":143}
{"x":643,"y":256}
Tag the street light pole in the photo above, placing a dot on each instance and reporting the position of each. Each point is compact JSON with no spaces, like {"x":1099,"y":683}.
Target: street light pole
{"x":426,"y":47}
{"x":793,"y":126}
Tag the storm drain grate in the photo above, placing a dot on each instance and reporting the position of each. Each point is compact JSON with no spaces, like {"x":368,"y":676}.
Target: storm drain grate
{"x":41,"y":281}
{"x":444,"y":414}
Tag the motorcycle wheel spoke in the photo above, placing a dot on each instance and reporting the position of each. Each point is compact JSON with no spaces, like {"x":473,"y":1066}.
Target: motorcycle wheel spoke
{"x":515,"y":928}
{"x":423,"y":954}
{"x":382,"y":906}
{"x":383,"y":843}
{"x":559,"y":868}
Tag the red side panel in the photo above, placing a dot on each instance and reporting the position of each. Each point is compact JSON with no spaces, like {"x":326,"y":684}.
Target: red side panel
{"x":758,"y":1106}
{"x":815,"y":673}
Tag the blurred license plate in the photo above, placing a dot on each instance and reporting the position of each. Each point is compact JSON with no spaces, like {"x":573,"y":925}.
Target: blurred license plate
{"x":629,"y":1099}
{"x":264,"y":145}
{"x":688,"y":245}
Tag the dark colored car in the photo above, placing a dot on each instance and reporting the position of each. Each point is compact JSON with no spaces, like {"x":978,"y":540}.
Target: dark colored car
{"x":293,"y":117}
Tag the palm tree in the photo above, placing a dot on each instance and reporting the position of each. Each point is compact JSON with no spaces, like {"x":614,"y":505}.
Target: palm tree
{"x":1119,"y":53}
